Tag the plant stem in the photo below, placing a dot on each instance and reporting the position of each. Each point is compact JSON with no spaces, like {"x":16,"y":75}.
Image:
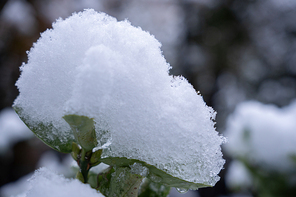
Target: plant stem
{"x":84,"y":163}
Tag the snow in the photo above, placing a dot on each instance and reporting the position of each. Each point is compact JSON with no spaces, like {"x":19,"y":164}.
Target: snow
{"x":162,"y":18}
{"x":46,"y":183}
{"x":48,"y":160}
{"x":12,"y":129}
{"x":90,"y":64}
{"x":96,"y":169}
{"x":52,"y":162}
{"x":263,"y":134}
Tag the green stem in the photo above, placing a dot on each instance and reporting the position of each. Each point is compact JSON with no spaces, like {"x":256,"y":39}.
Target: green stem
{"x":84,"y":163}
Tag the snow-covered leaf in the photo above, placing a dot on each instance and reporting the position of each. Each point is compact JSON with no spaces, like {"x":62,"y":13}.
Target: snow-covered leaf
{"x":94,"y":66}
{"x":48,"y":133}
{"x":153,"y":173}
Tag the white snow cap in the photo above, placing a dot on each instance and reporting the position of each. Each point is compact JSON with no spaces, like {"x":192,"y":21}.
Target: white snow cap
{"x":90,"y":64}
{"x":46,"y":183}
{"x":263,"y":134}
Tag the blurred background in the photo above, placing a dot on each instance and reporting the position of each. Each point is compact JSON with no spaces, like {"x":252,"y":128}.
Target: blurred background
{"x":239,"y":54}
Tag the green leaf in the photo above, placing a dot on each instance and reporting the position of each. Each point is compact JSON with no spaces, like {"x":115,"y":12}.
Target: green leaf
{"x":83,"y":129}
{"x":79,"y":176}
{"x":95,"y":157}
{"x":101,"y":181}
{"x":155,"y":175}
{"x":152,"y":189}
{"x":48,"y":133}
{"x":124,"y":183}
{"x":119,"y":182}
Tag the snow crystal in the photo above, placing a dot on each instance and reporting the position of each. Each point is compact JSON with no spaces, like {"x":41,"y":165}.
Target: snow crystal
{"x":12,"y":129}
{"x":263,"y":134}
{"x":139,"y":169}
{"x":101,"y":168}
{"x":48,"y":184}
{"x":89,"y":64}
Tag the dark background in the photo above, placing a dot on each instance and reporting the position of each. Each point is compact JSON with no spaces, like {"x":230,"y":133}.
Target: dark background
{"x":229,"y":50}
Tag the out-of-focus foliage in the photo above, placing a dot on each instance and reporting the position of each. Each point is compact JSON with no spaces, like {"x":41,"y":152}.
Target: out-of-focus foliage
{"x":262,"y":140}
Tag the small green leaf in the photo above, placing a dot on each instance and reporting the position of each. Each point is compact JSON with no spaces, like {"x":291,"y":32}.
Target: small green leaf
{"x":95,"y":158}
{"x":83,"y":129}
{"x":155,"y":175}
{"x":79,"y":176}
{"x":75,"y":151}
{"x":48,"y":133}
